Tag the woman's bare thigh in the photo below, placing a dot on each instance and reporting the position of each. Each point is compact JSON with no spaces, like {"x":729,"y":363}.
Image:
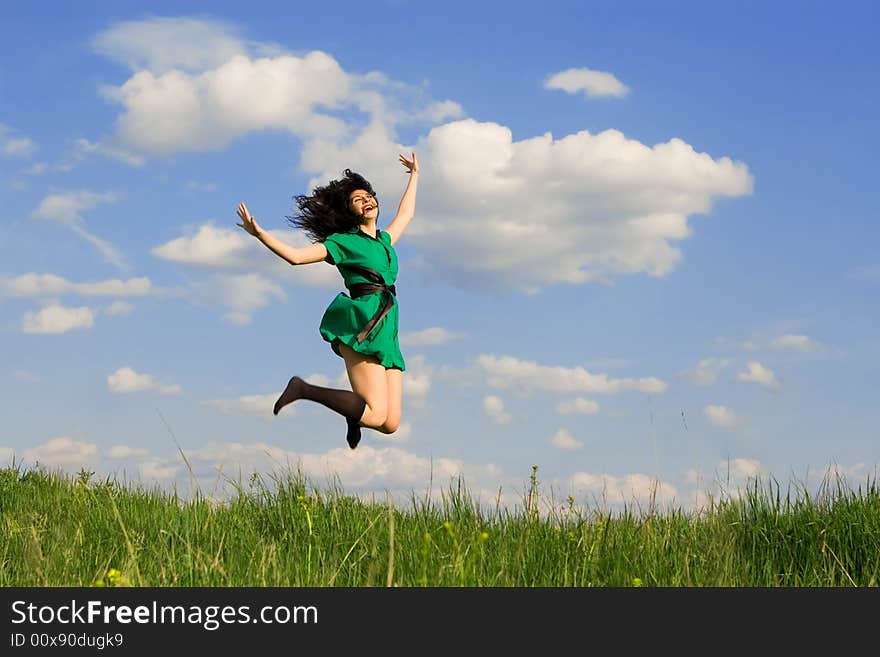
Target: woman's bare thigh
{"x":368,"y":379}
{"x":394,"y":380}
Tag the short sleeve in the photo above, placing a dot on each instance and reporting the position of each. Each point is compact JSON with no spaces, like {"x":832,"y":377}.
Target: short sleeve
{"x":335,"y":253}
{"x":385,"y":237}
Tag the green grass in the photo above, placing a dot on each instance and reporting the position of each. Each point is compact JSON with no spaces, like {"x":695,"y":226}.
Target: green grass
{"x":57,"y":530}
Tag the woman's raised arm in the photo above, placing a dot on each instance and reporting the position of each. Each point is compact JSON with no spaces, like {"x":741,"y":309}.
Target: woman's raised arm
{"x":295,"y":256}
{"x":407,"y":207}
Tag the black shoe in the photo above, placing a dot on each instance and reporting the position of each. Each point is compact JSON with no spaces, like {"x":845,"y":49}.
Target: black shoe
{"x":354,"y":433}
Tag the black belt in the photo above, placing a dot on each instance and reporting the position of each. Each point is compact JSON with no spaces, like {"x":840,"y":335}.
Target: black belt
{"x":377,"y":284}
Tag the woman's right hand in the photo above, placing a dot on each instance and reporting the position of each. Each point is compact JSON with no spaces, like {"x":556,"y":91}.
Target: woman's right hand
{"x":247,"y":221}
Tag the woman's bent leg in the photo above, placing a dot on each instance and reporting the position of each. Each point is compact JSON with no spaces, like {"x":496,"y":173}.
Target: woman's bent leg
{"x":368,"y":380}
{"x":345,"y":402}
{"x":394,"y":380}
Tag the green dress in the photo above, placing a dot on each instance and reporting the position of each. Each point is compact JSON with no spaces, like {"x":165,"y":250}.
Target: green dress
{"x":345,"y":317}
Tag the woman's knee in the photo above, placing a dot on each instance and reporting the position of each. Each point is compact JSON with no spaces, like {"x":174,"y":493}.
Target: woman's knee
{"x":391,"y":423}
{"x":377,"y":414}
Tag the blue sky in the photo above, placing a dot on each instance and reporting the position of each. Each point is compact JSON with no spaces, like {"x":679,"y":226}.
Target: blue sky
{"x":643,"y":259}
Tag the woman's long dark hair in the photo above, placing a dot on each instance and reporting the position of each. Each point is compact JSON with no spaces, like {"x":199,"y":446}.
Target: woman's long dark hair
{"x":327,"y":210}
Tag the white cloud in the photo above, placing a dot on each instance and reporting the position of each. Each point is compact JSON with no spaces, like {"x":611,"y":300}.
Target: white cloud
{"x":442,"y":110}
{"x":37,"y":285}
{"x":125,"y":452}
{"x":196,"y":186}
{"x":428,"y":337}
{"x":108,"y":149}
{"x":21,"y":146}
{"x":119,"y":308}
{"x":733,"y":477}
{"x":67,"y":208}
{"x":158,"y":470}
{"x":210,"y":246}
{"x":720,"y":416}
{"x":694,"y":476}
{"x":564,"y":440}
{"x":220,"y":248}
{"x":855,"y":474}
{"x":209,"y":59}
{"x":254,"y":405}
{"x":161,"y":44}
{"x":355,"y":469}
{"x":579,"y":405}
{"x":56,"y":318}
{"x":707,"y":370}
{"x":417,"y":380}
{"x":111,"y":253}
{"x":126,"y":380}
{"x":493,"y":407}
{"x":741,"y":467}
{"x":189,"y":98}
{"x":617,"y":206}
{"x":729,"y":479}
{"x":63,"y":452}
{"x":240,"y":294}
{"x":14,"y":145}
{"x":758,"y":373}
{"x":6,"y":454}
{"x":635,"y":488}
{"x":176,"y":110}
{"x":796,"y":343}
{"x":593,"y":84}
{"x":509,"y":372}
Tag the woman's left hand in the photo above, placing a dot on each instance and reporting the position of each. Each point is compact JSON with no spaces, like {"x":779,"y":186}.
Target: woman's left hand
{"x":247,"y":221}
{"x":412,"y":165}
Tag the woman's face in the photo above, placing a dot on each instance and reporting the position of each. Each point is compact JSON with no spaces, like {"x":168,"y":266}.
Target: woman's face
{"x":364,"y":204}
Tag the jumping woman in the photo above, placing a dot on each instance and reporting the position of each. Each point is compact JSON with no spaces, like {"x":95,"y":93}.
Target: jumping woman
{"x":361,"y":327}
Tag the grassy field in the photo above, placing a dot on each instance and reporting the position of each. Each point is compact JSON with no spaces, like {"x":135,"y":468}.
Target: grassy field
{"x":59,"y":530}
